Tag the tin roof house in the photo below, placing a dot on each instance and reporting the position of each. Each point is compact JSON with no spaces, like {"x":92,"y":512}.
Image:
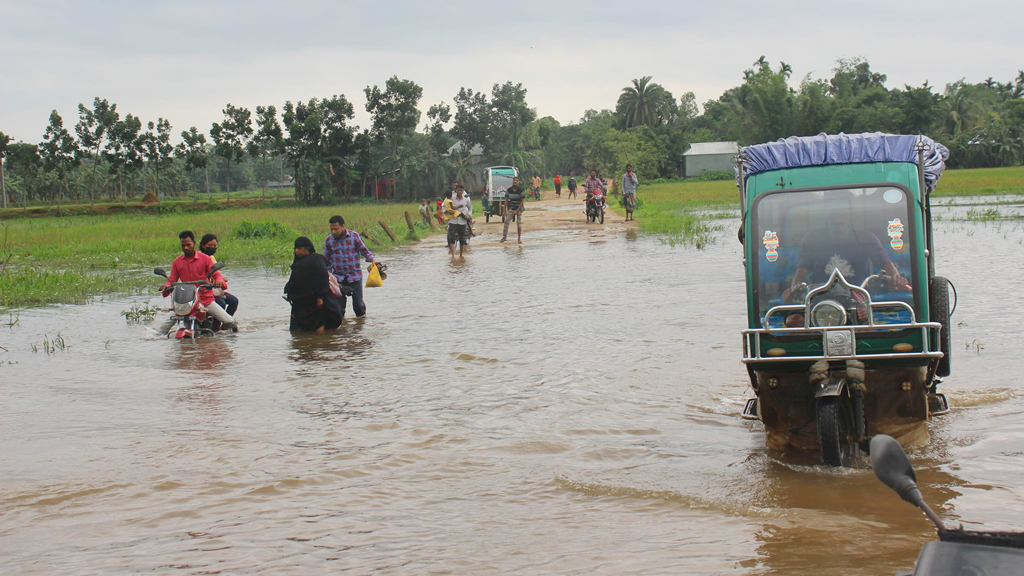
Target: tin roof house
{"x":709,"y":156}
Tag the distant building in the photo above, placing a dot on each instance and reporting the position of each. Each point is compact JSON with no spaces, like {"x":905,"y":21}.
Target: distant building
{"x":476,"y":153}
{"x":476,"y":162}
{"x":709,"y":156}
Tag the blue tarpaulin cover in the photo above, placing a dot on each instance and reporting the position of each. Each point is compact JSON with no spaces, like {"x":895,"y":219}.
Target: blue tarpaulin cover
{"x":825,"y":149}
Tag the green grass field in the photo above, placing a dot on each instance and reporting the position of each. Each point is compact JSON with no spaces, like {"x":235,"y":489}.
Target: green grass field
{"x":69,"y":259}
{"x":667,"y":209}
{"x":53,"y":259}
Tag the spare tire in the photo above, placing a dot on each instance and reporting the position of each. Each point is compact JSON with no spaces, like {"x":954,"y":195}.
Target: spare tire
{"x":938,"y":311}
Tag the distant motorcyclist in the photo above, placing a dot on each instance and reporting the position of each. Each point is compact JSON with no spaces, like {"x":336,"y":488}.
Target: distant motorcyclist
{"x":194,"y":266}
{"x":592,"y":185}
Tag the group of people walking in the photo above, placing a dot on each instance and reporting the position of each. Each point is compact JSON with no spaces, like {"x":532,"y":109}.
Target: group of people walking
{"x":321,"y":284}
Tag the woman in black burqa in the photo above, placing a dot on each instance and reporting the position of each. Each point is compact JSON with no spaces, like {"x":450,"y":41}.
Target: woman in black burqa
{"x":314,"y":307}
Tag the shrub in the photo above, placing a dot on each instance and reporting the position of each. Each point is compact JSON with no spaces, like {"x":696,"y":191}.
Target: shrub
{"x":265,"y":229}
{"x":713,"y":175}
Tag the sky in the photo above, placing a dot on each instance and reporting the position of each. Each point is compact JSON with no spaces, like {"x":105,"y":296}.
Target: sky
{"x":185,"y":60}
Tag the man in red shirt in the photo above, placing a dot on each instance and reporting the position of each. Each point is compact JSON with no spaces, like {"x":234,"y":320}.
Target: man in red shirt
{"x":194,"y":266}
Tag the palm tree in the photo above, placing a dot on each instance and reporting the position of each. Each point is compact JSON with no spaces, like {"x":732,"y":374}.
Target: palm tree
{"x":961,"y":111}
{"x":642,"y":103}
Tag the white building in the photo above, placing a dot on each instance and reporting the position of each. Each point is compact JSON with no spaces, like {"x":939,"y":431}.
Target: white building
{"x":709,"y":156}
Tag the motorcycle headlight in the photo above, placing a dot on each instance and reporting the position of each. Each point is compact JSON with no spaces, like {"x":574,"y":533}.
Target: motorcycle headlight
{"x":828,"y":313}
{"x":182,"y":308}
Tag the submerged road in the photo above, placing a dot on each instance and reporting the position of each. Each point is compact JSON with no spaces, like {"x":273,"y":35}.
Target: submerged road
{"x":570,"y":406}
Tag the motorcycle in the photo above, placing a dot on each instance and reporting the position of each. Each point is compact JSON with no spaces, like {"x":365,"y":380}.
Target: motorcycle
{"x":957,"y":551}
{"x":191,"y":319}
{"x":595,"y":206}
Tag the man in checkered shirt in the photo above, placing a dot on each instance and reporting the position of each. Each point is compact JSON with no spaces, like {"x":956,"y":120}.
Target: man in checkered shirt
{"x":343,"y":249}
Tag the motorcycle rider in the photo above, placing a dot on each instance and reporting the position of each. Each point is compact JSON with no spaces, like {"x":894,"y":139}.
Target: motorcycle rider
{"x":194,"y":266}
{"x":591,"y":185}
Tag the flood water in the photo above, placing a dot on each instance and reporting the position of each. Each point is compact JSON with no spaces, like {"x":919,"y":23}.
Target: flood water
{"x":566,"y":407}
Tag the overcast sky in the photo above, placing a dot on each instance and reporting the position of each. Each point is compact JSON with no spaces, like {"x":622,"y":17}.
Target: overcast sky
{"x":185,"y":60}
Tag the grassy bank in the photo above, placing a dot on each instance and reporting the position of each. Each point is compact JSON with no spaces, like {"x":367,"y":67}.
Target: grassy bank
{"x":69,"y":259}
{"x":669,"y":210}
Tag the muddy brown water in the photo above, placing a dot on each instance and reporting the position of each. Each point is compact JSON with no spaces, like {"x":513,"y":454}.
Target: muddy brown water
{"x":566,"y":407}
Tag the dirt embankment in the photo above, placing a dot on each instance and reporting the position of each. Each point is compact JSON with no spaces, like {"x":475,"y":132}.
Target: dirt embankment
{"x":549,"y":214}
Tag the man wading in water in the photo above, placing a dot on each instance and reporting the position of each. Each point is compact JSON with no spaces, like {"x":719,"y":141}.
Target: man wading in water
{"x":343,"y":248}
{"x":514,"y":209}
{"x":458,"y":226}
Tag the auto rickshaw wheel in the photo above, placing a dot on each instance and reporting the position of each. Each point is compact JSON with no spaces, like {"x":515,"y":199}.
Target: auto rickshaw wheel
{"x":938,"y":311}
{"x":834,"y":416}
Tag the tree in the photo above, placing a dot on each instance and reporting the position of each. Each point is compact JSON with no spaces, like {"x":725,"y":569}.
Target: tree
{"x":192,"y":150}
{"x":4,"y":141}
{"x":472,"y":119}
{"x":920,"y":108}
{"x":231,"y":136}
{"x":157,"y":149}
{"x":767,"y":103}
{"x":267,"y":140}
{"x":644,"y":103}
{"x":123,"y":150}
{"x":394,"y":115}
{"x":319,"y":140}
{"x":92,"y":129}
{"x":958,"y":108}
{"x":813,"y":107}
{"x":509,"y":116}
{"x":23,"y":162}
{"x":59,"y":151}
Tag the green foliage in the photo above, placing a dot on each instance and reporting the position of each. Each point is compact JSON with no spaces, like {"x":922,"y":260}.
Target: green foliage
{"x":645,"y":103}
{"x":712,"y":176}
{"x":138,"y":314}
{"x":265,"y":229}
{"x":231,"y":136}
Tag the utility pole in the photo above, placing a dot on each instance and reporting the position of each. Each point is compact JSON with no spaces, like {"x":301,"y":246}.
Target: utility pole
{"x":3,"y":186}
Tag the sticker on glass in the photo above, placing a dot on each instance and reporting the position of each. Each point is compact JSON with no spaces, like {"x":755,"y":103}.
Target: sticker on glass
{"x":771,"y":242}
{"x":895,"y":233}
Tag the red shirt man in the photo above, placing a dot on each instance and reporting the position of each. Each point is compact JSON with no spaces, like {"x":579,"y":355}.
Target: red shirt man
{"x":194,"y":266}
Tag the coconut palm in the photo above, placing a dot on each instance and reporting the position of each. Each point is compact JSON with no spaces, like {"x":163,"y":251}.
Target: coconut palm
{"x":642,"y":103}
{"x":960,"y":110}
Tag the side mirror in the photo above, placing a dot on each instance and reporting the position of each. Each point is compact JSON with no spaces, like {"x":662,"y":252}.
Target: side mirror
{"x":216,"y":267}
{"x":893,"y":468}
{"x":160,"y":272}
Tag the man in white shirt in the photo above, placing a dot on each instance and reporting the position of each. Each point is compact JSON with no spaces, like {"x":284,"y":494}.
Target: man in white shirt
{"x":458,"y":227}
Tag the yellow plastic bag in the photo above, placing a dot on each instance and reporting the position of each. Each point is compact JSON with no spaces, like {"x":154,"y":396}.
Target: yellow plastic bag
{"x":373,"y":279}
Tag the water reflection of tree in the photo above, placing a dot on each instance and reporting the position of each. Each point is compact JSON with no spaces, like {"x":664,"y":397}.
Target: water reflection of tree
{"x":818,"y":517}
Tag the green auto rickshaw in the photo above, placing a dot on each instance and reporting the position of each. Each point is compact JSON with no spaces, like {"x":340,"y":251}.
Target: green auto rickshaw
{"x":848,"y":325}
{"x":497,"y":179}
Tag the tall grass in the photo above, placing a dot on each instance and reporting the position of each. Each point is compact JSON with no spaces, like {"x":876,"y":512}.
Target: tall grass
{"x":981,"y":181}
{"x":68,"y":259}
